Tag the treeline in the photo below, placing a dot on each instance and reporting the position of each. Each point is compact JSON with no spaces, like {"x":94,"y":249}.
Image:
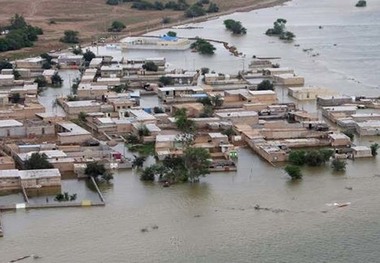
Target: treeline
{"x":18,"y":34}
{"x":200,"y":8}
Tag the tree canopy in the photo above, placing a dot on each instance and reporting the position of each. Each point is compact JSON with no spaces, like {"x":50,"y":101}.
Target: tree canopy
{"x":265,"y":85}
{"x":116,"y":26}
{"x":38,"y":161}
{"x":203,"y":47}
{"x":293,"y":171}
{"x":20,"y":35}
{"x":70,"y":37}
{"x":235,"y":27}
{"x":150,"y":66}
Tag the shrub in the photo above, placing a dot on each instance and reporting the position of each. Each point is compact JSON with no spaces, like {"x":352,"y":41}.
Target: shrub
{"x":265,"y":85}
{"x":116,"y":26}
{"x":203,"y":47}
{"x":235,"y":27}
{"x":70,"y":36}
{"x":293,"y":171}
{"x":374,"y":147}
{"x":195,"y":11}
{"x":150,"y":66}
{"x":338,"y":165}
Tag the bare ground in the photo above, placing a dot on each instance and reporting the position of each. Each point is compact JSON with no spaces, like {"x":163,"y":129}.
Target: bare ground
{"x":93,"y":17}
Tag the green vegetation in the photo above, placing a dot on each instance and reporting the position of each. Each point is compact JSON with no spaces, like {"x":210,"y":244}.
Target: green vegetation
{"x":190,"y":167}
{"x":70,"y":37}
{"x":150,"y":66}
{"x":74,"y":88}
{"x":88,"y":56}
{"x":265,"y":85}
{"x":166,"y":81}
{"x":235,"y":27}
{"x":82,"y":116}
{"x":311,"y":158}
{"x":350,"y":134}
{"x":98,"y":172}
{"x":171,"y":34}
{"x":338,"y":165}
{"x":293,"y":171}
{"x":4,"y":64}
{"x":195,"y":10}
{"x":361,"y":3}
{"x":38,"y":161}
{"x":203,"y":47}
{"x":119,"y":88}
{"x":374,"y":147}
{"x":65,"y":197}
{"x":157,"y":109}
{"x":116,"y":26}
{"x":20,"y":34}
{"x":56,"y":80}
{"x":138,"y":162}
{"x":279,"y":29}
{"x":183,"y":123}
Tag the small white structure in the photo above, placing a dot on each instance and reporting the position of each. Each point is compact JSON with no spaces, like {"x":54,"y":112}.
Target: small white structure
{"x":361,"y":151}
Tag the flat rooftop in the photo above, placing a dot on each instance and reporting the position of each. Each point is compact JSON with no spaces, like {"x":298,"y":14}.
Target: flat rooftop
{"x":236,"y":114}
{"x":72,"y":129}
{"x":10,"y":123}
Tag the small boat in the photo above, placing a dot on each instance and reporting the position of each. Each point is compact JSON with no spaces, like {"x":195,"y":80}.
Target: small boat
{"x":342,"y":204}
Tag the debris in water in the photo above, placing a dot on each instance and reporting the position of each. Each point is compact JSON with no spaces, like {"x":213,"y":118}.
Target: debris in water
{"x":197,"y":215}
{"x":348,"y":187}
{"x":155,"y":227}
{"x":144,"y":230}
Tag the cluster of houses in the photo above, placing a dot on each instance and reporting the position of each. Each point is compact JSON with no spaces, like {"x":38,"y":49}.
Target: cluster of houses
{"x":228,"y":111}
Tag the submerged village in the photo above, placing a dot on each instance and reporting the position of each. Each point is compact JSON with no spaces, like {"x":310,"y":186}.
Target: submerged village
{"x":201,"y":120}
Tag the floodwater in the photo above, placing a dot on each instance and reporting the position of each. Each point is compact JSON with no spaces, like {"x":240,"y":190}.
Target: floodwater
{"x":215,"y":220}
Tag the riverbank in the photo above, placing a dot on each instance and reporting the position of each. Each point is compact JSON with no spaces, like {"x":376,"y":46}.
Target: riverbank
{"x":138,"y":26}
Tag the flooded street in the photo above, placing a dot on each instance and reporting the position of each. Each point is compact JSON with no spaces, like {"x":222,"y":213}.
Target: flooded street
{"x":216,"y":220}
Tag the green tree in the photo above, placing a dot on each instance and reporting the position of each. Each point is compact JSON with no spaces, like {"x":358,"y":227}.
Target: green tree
{"x":56,"y":79}
{"x":338,"y":165}
{"x":361,"y":3}
{"x":374,"y":147}
{"x":17,"y":22}
{"x":195,"y":11}
{"x":149,"y":173}
{"x":94,"y":169}
{"x":265,"y":85}
{"x":203,"y":47}
{"x":41,"y":82}
{"x":166,"y":81}
{"x":213,"y":8}
{"x":82,"y":116}
{"x":116,"y":26}
{"x":297,"y":157}
{"x":138,"y":162}
{"x":38,"y":161}
{"x":88,"y":55}
{"x":350,"y":134}
{"x":217,"y":101}
{"x":150,"y":66}
{"x":196,"y":162}
{"x":5,"y":64}
{"x":235,"y":27}
{"x":182,"y":122}
{"x":293,"y":171}
{"x":287,"y":36}
{"x":314,"y":158}
{"x":70,"y":37}
{"x":171,"y":34}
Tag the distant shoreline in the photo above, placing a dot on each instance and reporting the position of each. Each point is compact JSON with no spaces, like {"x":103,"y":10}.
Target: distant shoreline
{"x":263,"y":4}
{"x":140,"y":29}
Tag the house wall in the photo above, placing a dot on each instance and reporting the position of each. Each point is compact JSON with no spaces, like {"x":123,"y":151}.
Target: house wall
{"x":10,"y":183}
{"x":74,"y":139}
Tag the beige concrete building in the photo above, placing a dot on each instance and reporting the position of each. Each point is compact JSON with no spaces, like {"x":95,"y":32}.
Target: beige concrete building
{"x":6,"y":80}
{"x":239,"y":117}
{"x":30,"y":63}
{"x":70,"y":133}
{"x":288,"y":80}
{"x":29,"y":179}
{"x":309,"y":93}
{"x":76,"y":107}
